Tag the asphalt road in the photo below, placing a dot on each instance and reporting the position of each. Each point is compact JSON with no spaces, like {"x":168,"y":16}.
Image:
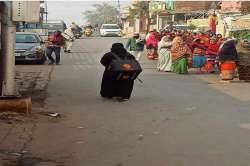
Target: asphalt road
{"x":171,"y":120}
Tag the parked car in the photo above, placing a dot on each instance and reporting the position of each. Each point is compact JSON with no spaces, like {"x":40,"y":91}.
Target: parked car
{"x":110,"y":30}
{"x":29,"y":47}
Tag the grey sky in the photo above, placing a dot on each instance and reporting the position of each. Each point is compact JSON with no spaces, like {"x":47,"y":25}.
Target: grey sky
{"x":70,"y":11}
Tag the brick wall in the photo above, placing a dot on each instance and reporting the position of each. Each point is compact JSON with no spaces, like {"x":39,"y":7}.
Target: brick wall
{"x":245,"y":7}
{"x":230,"y":6}
{"x":191,"y":6}
{"x":244,"y":64}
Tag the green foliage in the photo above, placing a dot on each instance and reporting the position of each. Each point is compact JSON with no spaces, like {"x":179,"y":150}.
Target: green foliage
{"x":102,"y":13}
{"x":139,"y":10}
{"x":192,"y":27}
{"x":243,"y":34}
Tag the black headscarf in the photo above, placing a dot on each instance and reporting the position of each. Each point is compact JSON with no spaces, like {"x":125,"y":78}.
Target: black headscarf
{"x":228,"y":51}
{"x":119,"y":49}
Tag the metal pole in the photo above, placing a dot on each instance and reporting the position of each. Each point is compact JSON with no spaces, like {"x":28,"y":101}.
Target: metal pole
{"x":1,"y":55}
{"x":8,"y":47}
{"x":157,"y":22}
{"x":119,"y":14}
{"x":173,"y":18}
{"x":119,"y":5}
{"x":46,"y":10}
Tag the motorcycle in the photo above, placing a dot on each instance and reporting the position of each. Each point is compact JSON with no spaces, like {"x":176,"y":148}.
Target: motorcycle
{"x":88,"y":32}
{"x":78,"y":35}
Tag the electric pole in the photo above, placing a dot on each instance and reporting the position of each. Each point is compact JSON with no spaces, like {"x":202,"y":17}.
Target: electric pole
{"x":119,"y":10}
{"x":1,"y":55}
{"x":8,"y":33}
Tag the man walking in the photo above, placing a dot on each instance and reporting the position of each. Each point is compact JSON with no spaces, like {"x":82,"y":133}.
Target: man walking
{"x":135,"y":45}
{"x":56,"y":41}
{"x":70,"y":37}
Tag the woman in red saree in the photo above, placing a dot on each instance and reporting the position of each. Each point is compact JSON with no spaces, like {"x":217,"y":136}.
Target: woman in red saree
{"x":152,"y":45}
{"x":211,"y":54}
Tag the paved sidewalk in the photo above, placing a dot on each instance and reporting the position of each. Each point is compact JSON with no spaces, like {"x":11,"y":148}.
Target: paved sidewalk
{"x":16,"y":131}
{"x":235,"y":88}
{"x":32,"y":80}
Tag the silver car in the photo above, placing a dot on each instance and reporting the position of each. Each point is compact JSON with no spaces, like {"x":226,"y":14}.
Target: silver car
{"x":29,"y":47}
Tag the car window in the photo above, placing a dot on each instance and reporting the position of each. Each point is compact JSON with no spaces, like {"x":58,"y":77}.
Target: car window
{"x":26,"y":38}
{"x":110,"y":27}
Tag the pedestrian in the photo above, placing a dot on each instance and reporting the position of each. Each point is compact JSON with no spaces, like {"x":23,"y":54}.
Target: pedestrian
{"x":135,"y":45}
{"x":199,"y":59}
{"x":204,"y":38}
{"x":228,"y":58}
{"x":110,"y":87}
{"x":69,"y":36}
{"x":164,"y":52}
{"x":181,"y":54}
{"x":152,"y":45}
{"x":212,"y":22}
{"x":213,"y":47}
{"x":220,"y":38}
{"x":211,"y":55}
{"x":56,"y":41}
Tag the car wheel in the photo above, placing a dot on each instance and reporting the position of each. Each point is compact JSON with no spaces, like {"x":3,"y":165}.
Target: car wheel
{"x":42,"y":61}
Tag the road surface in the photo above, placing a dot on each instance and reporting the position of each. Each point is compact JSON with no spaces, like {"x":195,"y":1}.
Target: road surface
{"x":171,"y":120}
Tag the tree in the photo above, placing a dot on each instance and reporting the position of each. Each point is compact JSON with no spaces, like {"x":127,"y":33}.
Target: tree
{"x":140,"y":10}
{"x":102,"y":14}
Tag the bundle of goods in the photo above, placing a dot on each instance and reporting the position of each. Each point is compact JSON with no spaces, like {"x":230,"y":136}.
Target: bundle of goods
{"x":124,"y":69}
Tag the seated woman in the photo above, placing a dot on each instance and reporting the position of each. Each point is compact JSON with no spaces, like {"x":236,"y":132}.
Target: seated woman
{"x":228,"y":57}
{"x":181,"y":54}
{"x":199,"y":59}
{"x":164,"y":59}
{"x":211,"y":55}
{"x":121,"y":89}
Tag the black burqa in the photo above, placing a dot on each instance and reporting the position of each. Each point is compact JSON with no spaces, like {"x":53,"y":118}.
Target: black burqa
{"x":228,"y":52}
{"x":110,"y":87}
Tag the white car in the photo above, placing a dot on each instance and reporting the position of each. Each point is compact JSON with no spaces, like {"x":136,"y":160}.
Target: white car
{"x":110,"y":30}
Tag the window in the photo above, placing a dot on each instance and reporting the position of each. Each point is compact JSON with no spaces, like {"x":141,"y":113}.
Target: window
{"x":110,"y":27}
{"x":26,"y":38}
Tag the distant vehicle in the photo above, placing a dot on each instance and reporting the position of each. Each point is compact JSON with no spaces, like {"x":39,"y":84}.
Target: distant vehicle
{"x":110,"y":30}
{"x":29,"y":48}
{"x":78,"y":32}
{"x":55,"y":25}
{"x":88,"y":32}
{"x":39,"y":28}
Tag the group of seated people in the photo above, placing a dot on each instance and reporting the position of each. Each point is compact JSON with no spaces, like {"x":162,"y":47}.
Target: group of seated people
{"x":180,"y":50}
